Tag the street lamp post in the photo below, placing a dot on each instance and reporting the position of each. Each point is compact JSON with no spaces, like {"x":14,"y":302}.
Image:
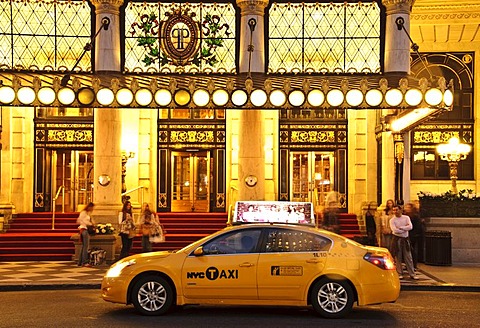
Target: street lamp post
{"x":453,"y":152}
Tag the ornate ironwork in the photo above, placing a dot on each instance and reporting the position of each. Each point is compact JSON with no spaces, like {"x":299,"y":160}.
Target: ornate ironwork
{"x":63,"y":135}
{"x":190,"y":38}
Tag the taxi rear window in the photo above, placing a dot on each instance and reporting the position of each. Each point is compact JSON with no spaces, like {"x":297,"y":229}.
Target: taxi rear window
{"x":289,"y":240}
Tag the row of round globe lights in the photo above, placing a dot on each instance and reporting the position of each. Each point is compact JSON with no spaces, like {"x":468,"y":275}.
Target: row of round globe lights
{"x":201,"y":97}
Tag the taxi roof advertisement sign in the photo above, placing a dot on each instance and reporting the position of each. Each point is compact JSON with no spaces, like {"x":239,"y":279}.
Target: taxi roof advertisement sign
{"x":282,"y":212}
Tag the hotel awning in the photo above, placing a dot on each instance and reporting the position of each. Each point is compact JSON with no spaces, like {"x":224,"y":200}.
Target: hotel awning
{"x":401,"y":92}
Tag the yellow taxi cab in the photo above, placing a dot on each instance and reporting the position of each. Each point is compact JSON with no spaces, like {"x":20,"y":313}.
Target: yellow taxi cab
{"x":279,"y":264}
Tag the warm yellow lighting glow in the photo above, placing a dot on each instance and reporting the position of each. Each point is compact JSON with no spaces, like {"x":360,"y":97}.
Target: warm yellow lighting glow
{"x":26,"y":95}
{"x":220,"y":97}
{"x":239,"y":97}
{"x":278,"y":98}
{"x":124,"y":97}
{"x":315,"y":98}
{"x":85,"y":96}
{"x":163,"y":97}
{"x":393,"y":97}
{"x":453,"y":151}
{"x":374,"y":97}
{"x":448,"y":98}
{"x":354,"y":97}
{"x":296,"y":98}
{"x":66,"y":96}
{"x":201,"y":97}
{"x":258,"y":97}
{"x":413,"y":97}
{"x":411,"y":118}
{"x":335,"y":97}
{"x":7,"y":95}
{"x":46,"y":95}
{"x":105,"y":97}
{"x":182,"y":97}
{"x":143,"y":97}
{"x":433,"y":97}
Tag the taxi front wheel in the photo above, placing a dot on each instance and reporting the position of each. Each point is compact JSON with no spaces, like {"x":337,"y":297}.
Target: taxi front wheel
{"x":152,"y":295}
{"x":332,"y":298}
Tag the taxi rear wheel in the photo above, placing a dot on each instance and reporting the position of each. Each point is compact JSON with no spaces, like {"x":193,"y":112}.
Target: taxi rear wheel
{"x":332,"y":298}
{"x":152,"y":295}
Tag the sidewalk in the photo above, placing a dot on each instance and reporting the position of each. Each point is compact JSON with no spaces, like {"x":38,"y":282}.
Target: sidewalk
{"x":17,"y":276}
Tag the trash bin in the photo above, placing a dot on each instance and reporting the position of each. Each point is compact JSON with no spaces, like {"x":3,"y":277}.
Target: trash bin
{"x":438,"y":248}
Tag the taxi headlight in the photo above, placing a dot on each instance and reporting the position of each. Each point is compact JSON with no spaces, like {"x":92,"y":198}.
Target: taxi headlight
{"x":116,"y":269}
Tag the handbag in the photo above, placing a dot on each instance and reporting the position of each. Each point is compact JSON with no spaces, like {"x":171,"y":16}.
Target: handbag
{"x":159,"y":238}
{"x":92,"y":230}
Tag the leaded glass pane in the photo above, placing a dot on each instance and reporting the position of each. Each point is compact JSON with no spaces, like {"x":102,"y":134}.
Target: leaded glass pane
{"x":333,"y":37}
{"x":45,"y":34}
{"x":140,"y":58}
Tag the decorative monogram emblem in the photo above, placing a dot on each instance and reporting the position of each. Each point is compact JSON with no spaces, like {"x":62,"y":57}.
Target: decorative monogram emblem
{"x":178,"y":39}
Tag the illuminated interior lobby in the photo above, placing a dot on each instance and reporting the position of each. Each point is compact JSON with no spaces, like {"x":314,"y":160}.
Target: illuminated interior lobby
{"x":193,"y":106}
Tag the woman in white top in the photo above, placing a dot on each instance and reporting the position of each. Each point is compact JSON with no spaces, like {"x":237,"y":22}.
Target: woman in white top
{"x":84,"y":220}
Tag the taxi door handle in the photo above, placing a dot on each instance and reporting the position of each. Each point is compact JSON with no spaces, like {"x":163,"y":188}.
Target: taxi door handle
{"x":246,"y":265}
{"x":313,"y":261}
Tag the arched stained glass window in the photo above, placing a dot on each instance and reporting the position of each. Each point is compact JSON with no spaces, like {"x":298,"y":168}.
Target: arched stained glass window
{"x":44,"y":35}
{"x":324,"y":37}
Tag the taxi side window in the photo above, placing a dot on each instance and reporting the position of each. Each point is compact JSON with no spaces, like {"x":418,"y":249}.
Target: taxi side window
{"x":285,"y":240}
{"x":237,"y":242}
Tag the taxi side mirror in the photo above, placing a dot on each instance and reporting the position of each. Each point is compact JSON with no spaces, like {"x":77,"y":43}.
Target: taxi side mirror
{"x":198,"y":251}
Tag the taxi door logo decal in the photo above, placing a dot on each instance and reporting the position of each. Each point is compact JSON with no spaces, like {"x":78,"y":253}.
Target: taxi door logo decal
{"x":212,"y":273}
{"x":286,"y":270}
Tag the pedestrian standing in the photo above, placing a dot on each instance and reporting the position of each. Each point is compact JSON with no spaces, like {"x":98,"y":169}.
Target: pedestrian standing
{"x":401,"y":225}
{"x":417,"y":232}
{"x":149,"y":225}
{"x":127,"y":228}
{"x":385,"y":231}
{"x":371,"y":225}
{"x":84,"y":221}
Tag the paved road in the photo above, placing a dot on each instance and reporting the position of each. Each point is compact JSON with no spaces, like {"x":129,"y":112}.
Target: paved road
{"x":85,"y":308}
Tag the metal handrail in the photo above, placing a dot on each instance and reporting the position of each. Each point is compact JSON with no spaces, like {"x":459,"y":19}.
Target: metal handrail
{"x":135,"y":189}
{"x":60,"y":189}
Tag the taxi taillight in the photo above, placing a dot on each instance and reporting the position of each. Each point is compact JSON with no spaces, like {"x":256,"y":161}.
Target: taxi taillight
{"x":384,"y":262}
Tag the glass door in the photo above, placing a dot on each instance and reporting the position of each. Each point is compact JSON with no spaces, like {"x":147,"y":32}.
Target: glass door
{"x":191,"y":176}
{"x":311,"y":176}
{"x":74,"y":171}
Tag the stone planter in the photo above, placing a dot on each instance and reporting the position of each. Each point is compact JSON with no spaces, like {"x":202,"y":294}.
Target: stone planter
{"x":106,"y":242}
{"x":451,"y":209}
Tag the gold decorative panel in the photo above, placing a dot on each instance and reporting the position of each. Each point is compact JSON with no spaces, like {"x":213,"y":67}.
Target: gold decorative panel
{"x":191,"y":136}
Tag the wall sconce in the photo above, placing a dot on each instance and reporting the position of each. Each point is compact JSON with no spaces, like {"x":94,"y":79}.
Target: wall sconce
{"x":453,"y":152}
{"x":125,"y":157}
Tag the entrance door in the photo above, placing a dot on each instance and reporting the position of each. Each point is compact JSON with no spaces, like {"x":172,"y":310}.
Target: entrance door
{"x":311,"y":176}
{"x":73,"y":170}
{"x":191,"y":176}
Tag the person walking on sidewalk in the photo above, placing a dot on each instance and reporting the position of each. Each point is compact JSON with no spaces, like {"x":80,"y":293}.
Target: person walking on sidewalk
{"x":401,"y":225}
{"x":84,"y":221}
{"x":385,"y":231}
{"x":127,"y":228}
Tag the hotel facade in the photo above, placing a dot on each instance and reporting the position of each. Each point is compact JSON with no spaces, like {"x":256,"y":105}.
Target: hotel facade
{"x":191,"y":106}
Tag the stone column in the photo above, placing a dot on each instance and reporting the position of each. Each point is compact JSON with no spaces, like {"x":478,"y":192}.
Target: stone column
{"x":6,"y":204}
{"x":108,"y":121}
{"x":397,"y":59}
{"x":251,"y":153}
{"x":397,"y":44}
{"x":107,"y":45}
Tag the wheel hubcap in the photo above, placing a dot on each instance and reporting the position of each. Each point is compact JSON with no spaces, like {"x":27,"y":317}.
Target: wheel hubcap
{"x":152,"y":296}
{"x":332,"y":297}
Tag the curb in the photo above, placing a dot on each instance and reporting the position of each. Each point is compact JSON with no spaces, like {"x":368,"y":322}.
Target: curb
{"x":440,"y":288}
{"x":18,"y":288}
